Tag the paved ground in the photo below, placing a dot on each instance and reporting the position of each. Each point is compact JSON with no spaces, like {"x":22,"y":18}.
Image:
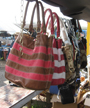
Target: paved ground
{"x":3,"y":80}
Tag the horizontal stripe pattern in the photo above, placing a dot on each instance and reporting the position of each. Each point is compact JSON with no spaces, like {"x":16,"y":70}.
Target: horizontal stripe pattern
{"x":59,"y":63}
{"x":33,"y":56}
{"x":59,"y":75}
{"x":27,"y":83}
{"x":57,"y":81}
{"x":28,"y":69}
{"x":55,"y":51}
{"x":56,"y":57}
{"x":31,"y":63}
{"x":40,"y":60}
{"x":59,"y":69}
{"x":37,"y":49}
{"x":59,"y":58}
{"x":32,"y":76}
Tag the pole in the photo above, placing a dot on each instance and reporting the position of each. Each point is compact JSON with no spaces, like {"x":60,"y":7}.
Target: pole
{"x":88,"y":49}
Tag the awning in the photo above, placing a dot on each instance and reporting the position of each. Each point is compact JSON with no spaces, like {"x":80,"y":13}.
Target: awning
{"x":9,"y":27}
{"x":78,"y":9}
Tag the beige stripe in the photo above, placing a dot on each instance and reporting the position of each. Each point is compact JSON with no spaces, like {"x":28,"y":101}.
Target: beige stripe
{"x":33,"y":56}
{"x":27,"y":83}
{"x":38,"y":70}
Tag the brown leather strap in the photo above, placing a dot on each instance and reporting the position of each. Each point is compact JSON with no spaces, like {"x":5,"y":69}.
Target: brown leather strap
{"x":38,"y":22}
{"x":38,"y":16}
{"x":43,"y":19}
{"x":25,"y":14}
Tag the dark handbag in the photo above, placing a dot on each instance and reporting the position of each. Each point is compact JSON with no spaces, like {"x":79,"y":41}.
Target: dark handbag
{"x":66,"y":93}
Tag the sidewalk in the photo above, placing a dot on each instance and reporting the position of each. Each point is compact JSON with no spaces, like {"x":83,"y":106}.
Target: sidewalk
{"x":2,"y":63}
{"x":3,"y":80}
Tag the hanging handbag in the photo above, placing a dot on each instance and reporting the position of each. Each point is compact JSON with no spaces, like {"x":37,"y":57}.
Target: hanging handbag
{"x":68,"y":54}
{"x":81,"y":44}
{"x":59,"y":62}
{"x":70,"y":70}
{"x":31,"y":64}
{"x":67,"y":95}
{"x":75,"y":55}
{"x":76,"y":50}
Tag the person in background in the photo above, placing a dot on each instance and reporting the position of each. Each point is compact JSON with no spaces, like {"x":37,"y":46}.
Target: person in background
{"x":1,"y":52}
{"x":15,"y":36}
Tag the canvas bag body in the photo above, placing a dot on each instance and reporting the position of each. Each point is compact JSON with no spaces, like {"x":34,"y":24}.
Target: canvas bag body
{"x":68,"y":53}
{"x":34,"y":69}
{"x":59,"y":61}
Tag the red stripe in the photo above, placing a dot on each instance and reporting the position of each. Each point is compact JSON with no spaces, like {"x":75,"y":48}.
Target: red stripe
{"x":62,"y":57}
{"x":54,"y":43}
{"x":37,"y":49}
{"x":59,"y":43}
{"x":59,"y":69}
{"x":31,"y":63}
{"x":57,"y":81}
{"x":32,"y":76}
{"x":55,"y":56}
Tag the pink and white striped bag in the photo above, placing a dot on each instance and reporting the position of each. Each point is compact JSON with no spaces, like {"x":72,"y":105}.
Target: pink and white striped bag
{"x":59,"y":61}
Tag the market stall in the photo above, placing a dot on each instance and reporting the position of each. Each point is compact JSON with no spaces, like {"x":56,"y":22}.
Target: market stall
{"x":55,"y":56}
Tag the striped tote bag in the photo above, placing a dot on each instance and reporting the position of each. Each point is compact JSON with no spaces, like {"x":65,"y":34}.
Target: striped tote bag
{"x":59,"y":61}
{"x":32,"y":67}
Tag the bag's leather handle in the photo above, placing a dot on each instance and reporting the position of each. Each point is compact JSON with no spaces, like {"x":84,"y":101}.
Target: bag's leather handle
{"x":58,"y":24}
{"x":25,"y":14}
{"x":38,"y":22}
{"x":38,"y":16}
{"x":52,"y":24}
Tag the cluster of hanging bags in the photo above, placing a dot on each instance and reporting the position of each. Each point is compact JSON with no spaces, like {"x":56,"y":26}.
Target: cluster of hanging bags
{"x":59,"y":75}
{"x":36,"y":64}
{"x":33,"y":66}
{"x":47,"y":60}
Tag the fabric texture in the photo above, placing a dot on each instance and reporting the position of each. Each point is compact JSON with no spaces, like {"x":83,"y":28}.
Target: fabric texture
{"x":59,"y":63}
{"x":83,"y":57}
{"x":35,"y":68}
{"x":69,"y":65}
{"x":30,"y":63}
